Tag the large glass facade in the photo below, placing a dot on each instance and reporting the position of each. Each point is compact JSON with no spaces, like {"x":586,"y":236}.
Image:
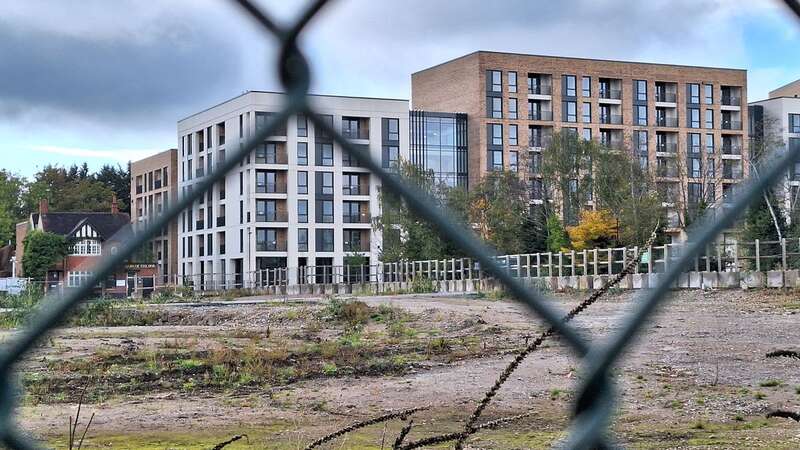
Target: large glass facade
{"x":439,"y":144}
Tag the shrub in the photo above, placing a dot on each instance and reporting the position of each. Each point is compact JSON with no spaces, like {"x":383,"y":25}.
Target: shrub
{"x":423,"y":285}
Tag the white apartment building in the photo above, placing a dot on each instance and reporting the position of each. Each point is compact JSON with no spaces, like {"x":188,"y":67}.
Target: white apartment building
{"x":781,"y":113}
{"x":296,"y":202}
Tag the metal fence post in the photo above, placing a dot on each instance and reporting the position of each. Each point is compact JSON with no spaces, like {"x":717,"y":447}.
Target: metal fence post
{"x":783,"y":254}
{"x":758,"y":256}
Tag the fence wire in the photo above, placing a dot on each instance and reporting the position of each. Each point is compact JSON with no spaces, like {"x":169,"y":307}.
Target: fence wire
{"x":594,"y":407}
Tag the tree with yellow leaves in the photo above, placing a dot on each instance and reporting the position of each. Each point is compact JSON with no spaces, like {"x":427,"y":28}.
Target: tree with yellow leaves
{"x":595,"y":229}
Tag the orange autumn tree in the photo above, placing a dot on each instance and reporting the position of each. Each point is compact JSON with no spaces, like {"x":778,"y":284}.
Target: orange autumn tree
{"x":595,"y":229}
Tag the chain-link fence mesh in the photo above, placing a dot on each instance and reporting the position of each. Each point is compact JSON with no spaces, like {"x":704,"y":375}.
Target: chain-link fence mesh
{"x":594,"y":407}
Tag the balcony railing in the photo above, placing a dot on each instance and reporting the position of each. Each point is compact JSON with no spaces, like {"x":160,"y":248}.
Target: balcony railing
{"x":667,"y":147}
{"x":616,"y":144}
{"x":542,"y":89}
{"x":731,"y":100}
{"x":539,"y":141}
{"x":356,"y":218}
{"x":611,"y":119}
{"x":274,"y":246}
{"x":271,"y":188}
{"x":666,"y":97}
{"x":611,"y":94}
{"x":667,"y":122}
{"x":667,"y":172}
{"x":355,"y":190}
{"x":220,"y":221}
{"x":731,"y":125}
{"x":275,"y":216}
{"x":540,"y":115}
{"x":358,"y":133}
{"x":360,"y":246}
{"x":731,"y":149}
{"x":271,"y":158}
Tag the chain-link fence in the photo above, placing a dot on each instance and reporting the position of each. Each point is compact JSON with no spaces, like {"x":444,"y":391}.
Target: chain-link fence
{"x":595,"y":405}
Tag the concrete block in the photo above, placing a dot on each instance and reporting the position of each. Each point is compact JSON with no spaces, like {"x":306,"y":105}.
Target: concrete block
{"x":574,"y":282}
{"x":710,"y":280}
{"x":775,"y":279}
{"x":639,"y":280}
{"x":728,"y":280}
{"x":695,"y":280}
{"x":585,"y":283}
{"x":683,"y":281}
{"x":751,"y":279}
{"x":598,"y":281}
{"x":653,"y":279}
{"x":563,"y":283}
{"x":790,"y":278}
{"x":626,"y":282}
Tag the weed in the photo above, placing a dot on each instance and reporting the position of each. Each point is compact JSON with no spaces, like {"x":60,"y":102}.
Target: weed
{"x":423,"y":285}
{"x":759,"y":395}
{"x":329,"y":369}
{"x":189,"y":365}
{"x":770,"y":383}
{"x":738,"y":418}
{"x":439,"y":345}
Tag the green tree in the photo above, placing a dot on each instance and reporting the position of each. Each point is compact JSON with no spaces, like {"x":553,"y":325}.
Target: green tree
{"x":118,"y":179}
{"x":42,"y":250}
{"x":556,"y":234}
{"x":759,"y":224}
{"x":406,"y":235}
{"x":499,"y":209}
{"x":11,"y":211}
{"x":73,"y":189}
{"x":567,"y":172}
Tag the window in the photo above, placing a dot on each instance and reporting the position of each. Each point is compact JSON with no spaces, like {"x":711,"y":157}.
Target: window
{"x":208,"y":137}
{"x":302,"y":153}
{"x":302,"y":125}
{"x":569,"y":112}
{"x":392,"y":129}
{"x":302,"y":239}
{"x":641,"y":115}
{"x":267,"y":240}
{"x":350,"y":128}
{"x":391,"y":156}
{"x":496,"y":131}
{"x":350,"y":184}
{"x":569,"y":85}
{"x":641,"y":142}
{"x":327,"y":182}
{"x":324,"y":154}
{"x":495,"y":107}
{"x":512,"y":135}
{"x":325,"y":211}
{"x":221,"y":133}
{"x":79,"y":278}
{"x":587,"y":134}
{"x":708,"y":91}
{"x":711,"y":193}
{"x":710,"y":144}
{"x":695,"y":193}
{"x":693,"y":145}
{"x":496,"y":80}
{"x":86,"y":247}
{"x":302,"y":211}
{"x":641,"y":90}
{"x":694,"y":93}
{"x":694,"y":167}
{"x":267,"y":211}
{"x":709,"y":119}
{"x":495,"y":160}
{"x":302,"y":182}
{"x":512,"y":81}
{"x":586,"y":86}
{"x":267,"y":153}
{"x":794,"y":123}
{"x":512,"y":108}
{"x":351,"y":212}
{"x":513,"y":160}
{"x":325,"y":240}
{"x":587,"y":112}
{"x":711,"y":168}
{"x":694,"y":117}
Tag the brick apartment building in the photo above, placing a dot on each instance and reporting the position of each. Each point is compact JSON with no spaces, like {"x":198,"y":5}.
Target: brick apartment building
{"x":661,"y":112}
{"x":154,"y":187}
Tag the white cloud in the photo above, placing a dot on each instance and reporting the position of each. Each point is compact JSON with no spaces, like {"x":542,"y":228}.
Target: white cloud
{"x":121,"y":155}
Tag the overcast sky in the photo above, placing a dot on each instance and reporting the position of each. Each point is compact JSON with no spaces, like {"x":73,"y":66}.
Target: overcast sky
{"x":106,"y":82}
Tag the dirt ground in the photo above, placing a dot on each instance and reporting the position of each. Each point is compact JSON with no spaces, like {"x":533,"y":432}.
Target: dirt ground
{"x":696,"y":378}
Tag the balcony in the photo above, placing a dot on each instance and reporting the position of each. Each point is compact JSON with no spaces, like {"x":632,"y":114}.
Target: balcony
{"x":667,"y":147}
{"x":666,"y":97}
{"x":273,"y":246}
{"x":615,"y":144}
{"x":667,"y":171}
{"x":539,"y":141}
{"x":611,"y":94}
{"x":611,"y":119}
{"x":540,"y":115}
{"x":220,"y":221}
{"x":667,"y":122}
{"x":731,"y":125}
{"x":273,"y":216}
{"x":731,"y":149}
{"x":355,"y":190}
{"x":731,"y":100}
{"x":271,"y":158}
{"x":271,"y":188}
{"x":540,"y":89}
{"x":355,"y":133}
{"x":359,"y":246}
{"x":356,"y":218}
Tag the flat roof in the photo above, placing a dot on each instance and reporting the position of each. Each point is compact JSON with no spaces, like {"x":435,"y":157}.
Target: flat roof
{"x":578,"y":59}
{"x":283,"y":93}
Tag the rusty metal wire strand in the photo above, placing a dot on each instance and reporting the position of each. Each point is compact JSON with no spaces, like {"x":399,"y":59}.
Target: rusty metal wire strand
{"x":365,"y":423}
